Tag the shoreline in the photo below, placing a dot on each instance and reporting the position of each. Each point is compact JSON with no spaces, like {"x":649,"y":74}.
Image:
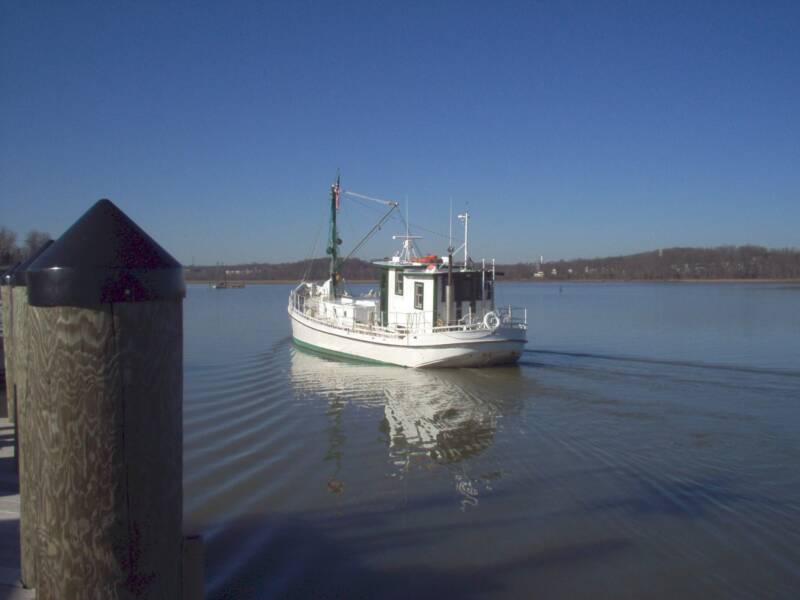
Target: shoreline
{"x":504,"y":280}
{"x":267,"y":281}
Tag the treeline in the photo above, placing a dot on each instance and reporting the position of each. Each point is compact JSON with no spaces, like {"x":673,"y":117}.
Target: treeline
{"x":722,"y":262}
{"x":12,"y":252}
{"x":315,"y":269}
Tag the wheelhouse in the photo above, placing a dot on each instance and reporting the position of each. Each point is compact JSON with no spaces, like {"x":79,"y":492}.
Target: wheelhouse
{"x":418,"y":292}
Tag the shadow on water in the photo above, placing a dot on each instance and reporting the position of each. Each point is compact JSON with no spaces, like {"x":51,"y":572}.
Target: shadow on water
{"x":9,"y":547}
{"x":307,"y":556}
{"x":9,"y":482}
{"x":6,"y":439}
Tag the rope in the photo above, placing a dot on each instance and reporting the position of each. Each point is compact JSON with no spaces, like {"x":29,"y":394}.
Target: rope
{"x":399,"y":217}
{"x":309,"y":262}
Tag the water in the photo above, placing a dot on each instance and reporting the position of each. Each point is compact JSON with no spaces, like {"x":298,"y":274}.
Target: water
{"x":647,"y":445}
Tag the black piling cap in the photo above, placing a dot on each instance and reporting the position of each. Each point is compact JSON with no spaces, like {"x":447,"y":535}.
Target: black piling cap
{"x":104,"y":257}
{"x":16,"y":277}
{"x":6,"y":279}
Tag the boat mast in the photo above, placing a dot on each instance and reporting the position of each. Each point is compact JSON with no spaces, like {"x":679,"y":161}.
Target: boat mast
{"x":334,"y":242}
{"x":449,"y":292}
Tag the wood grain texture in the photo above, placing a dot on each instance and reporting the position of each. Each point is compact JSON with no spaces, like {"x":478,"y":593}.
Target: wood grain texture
{"x":107,"y":424}
{"x":8,"y":347}
{"x":28,"y":476}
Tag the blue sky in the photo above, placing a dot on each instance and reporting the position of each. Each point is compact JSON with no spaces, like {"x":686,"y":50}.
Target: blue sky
{"x":568,"y":128}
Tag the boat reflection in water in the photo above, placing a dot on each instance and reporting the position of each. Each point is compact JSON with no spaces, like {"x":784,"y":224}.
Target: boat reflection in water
{"x":430,"y":417}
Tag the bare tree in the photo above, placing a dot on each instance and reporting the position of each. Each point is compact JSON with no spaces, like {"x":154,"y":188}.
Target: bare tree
{"x":9,"y":253}
{"x":35,"y":240}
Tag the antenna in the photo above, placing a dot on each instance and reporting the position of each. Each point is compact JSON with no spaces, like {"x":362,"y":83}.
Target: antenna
{"x":450,"y":242}
{"x":407,"y":254}
{"x":407,"y":215}
{"x":465,"y":217}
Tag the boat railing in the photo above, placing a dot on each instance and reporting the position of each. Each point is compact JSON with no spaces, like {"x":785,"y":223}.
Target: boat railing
{"x":513,"y":316}
{"x":400,"y":324}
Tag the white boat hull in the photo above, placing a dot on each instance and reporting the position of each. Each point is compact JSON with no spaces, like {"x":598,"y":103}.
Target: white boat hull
{"x":441,"y":349}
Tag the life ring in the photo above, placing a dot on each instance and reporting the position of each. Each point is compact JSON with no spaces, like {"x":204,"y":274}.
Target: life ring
{"x":491,"y":320}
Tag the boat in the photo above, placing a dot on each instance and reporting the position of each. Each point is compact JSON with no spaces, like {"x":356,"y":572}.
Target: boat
{"x":227,"y":285}
{"x":224,"y":284}
{"x":428,"y":312}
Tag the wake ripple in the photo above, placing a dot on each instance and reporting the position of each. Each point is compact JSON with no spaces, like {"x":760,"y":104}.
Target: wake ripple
{"x":668,"y":362}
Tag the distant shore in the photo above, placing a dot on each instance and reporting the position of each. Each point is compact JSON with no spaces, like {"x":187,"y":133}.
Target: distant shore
{"x":267,"y":281}
{"x":505,"y":280}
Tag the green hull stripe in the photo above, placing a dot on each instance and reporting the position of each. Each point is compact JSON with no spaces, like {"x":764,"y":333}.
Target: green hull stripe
{"x":352,"y":357}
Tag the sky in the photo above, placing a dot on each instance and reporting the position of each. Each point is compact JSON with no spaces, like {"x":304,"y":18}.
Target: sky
{"x":567,"y":129}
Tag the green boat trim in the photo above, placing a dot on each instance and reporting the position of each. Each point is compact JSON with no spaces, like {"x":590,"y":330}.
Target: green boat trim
{"x":341,"y":355}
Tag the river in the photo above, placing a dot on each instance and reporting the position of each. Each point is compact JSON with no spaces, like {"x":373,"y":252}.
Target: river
{"x":646,"y":446}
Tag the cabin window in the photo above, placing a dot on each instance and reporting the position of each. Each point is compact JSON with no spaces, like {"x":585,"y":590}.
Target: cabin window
{"x":398,"y":283}
{"x":489,"y":287}
{"x":458,"y":289}
{"x":418,"y":290}
{"x":477,"y":290}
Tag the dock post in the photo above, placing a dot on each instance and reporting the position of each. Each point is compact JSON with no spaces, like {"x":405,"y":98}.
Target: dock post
{"x":193,"y":563}
{"x":7,"y":407}
{"x":106,"y":342}
{"x":23,"y":438}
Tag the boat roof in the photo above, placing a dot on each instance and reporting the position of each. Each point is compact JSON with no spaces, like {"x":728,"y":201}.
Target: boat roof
{"x":423,"y":268}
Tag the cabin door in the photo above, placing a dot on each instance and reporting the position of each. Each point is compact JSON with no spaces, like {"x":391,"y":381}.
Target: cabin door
{"x":384,"y":297}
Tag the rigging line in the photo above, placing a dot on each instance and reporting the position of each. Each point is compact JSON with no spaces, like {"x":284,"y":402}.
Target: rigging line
{"x":425,"y":229}
{"x":436,"y":233}
{"x":349,"y":223}
{"x":368,"y":206}
{"x":386,"y":216}
{"x":375,"y":228}
{"x":380,"y":200}
{"x":416,"y":227}
{"x":398,"y":217}
{"x":309,"y":262}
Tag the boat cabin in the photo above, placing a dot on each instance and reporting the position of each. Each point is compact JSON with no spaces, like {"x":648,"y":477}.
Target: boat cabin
{"x":415,"y":293}
{"x":413,"y":296}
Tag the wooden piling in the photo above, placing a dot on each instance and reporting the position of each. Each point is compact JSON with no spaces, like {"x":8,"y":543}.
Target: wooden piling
{"x":7,"y":407}
{"x":193,"y":563}
{"x":106,"y":341}
{"x":28,"y":478}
